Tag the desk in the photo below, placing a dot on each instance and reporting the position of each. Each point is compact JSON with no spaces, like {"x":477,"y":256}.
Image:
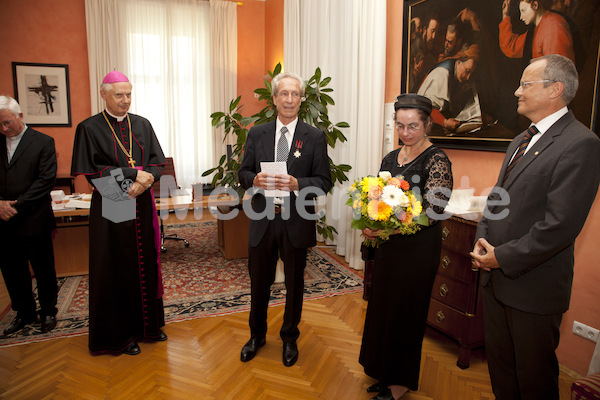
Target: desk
{"x":71,"y":242}
{"x":65,"y":181}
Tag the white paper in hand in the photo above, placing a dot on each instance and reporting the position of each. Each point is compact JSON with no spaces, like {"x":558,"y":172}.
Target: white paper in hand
{"x":274,"y":168}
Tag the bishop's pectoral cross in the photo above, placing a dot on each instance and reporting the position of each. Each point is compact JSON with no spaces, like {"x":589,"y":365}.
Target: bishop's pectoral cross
{"x":131,"y":162}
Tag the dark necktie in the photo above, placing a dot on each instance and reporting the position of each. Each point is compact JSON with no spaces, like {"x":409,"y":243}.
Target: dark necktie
{"x":521,"y":150}
{"x":283,"y":148}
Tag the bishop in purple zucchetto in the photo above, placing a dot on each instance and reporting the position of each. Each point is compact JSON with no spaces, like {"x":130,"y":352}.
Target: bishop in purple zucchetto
{"x":115,"y":76}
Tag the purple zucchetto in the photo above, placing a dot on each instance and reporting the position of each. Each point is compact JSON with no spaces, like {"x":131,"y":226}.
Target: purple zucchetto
{"x":115,"y":76}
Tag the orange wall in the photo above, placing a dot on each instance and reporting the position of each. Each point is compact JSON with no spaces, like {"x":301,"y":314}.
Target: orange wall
{"x":274,"y":34}
{"x":251,"y":53}
{"x":40,"y":32}
{"x":59,"y":37}
{"x":480,"y":170}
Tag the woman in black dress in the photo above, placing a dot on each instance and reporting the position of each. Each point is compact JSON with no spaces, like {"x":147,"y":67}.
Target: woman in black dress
{"x":405,"y":265}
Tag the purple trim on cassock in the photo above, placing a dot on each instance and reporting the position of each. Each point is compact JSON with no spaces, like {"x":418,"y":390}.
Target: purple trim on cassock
{"x":156,"y":226}
{"x":157,"y":241}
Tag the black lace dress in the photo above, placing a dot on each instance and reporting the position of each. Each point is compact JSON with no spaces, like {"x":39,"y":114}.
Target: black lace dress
{"x":403,"y":275}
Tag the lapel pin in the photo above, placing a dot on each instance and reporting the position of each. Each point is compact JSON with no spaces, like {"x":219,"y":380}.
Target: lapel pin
{"x":299,"y":144}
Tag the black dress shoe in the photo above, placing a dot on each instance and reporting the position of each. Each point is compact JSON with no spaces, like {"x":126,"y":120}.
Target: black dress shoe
{"x":290,"y":354}
{"x":374,"y":388}
{"x":48,"y":323}
{"x":17,"y":324}
{"x":161,"y":337}
{"x":385,"y":394}
{"x":251,"y":347}
{"x":132,"y":350}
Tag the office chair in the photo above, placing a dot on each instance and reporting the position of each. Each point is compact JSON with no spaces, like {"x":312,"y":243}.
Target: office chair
{"x":169,"y":169}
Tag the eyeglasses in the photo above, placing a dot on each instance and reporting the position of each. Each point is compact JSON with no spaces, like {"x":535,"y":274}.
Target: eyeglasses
{"x":6,"y":124}
{"x":525,"y":85}
{"x":285,"y":93}
{"x":412,"y":128}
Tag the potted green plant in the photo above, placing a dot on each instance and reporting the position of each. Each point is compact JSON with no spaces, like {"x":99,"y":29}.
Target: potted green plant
{"x":313,"y":111}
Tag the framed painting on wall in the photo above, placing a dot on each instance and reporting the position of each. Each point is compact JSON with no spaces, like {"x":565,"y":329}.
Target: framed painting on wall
{"x":42,"y":91}
{"x":467,"y":56}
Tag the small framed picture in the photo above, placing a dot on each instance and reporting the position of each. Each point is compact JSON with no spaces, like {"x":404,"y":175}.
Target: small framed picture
{"x":42,"y":91}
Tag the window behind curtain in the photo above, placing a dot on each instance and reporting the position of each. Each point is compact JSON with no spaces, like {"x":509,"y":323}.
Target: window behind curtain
{"x":168,"y":53}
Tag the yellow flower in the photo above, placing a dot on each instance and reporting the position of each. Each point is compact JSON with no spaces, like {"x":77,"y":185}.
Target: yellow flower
{"x":416,"y":206}
{"x":368,"y":182}
{"x":379,"y":211}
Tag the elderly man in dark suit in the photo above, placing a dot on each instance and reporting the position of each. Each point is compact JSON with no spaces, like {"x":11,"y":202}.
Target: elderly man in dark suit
{"x":525,"y":242}
{"x":282,"y":226}
{"x":27,"y":175}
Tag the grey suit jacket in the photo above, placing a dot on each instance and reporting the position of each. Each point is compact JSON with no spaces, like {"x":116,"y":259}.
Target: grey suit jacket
{"x":551,"y":191}
{"x":307,"y":161}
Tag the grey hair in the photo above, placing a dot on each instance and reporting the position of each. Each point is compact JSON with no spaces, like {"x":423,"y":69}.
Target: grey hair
{"x":105,"y":87}
{"x":279,"y":77}
{"x":561,"y":69}
{"x":10,"y":104}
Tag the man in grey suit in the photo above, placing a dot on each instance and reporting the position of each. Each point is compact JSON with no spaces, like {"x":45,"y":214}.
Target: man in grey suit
{"x":525,"y":242}
{"x":282,"y":226}
{"x":27,"y":175}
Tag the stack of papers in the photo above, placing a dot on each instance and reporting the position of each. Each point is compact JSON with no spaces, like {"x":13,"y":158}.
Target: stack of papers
{"x":462,"y":203}
{"x":72,"y":202}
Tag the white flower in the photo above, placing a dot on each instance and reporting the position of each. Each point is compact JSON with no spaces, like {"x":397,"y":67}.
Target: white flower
{"x":385,"y":175}
{"x":394,"y":196}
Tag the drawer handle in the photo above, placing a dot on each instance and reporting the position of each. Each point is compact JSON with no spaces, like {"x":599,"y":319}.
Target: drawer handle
{"x":444,"y":290}
{"x":440,"y":317}
{"x":445,"y":233}
{"x":445,"y":262}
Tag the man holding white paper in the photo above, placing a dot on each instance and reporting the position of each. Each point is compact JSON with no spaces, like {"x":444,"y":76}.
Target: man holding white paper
{"x":282,"y":220}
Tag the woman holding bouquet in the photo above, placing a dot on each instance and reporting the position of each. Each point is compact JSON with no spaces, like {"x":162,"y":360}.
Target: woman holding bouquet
{"x":405,"y":265}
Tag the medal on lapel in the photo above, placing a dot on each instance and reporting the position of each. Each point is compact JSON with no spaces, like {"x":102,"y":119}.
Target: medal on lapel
{"x":299,"y":144}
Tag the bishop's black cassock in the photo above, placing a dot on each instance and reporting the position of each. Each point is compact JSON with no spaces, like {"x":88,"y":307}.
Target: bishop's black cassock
{"x":125,"y":280}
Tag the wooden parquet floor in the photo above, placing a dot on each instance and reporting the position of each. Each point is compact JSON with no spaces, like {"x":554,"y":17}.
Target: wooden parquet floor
{"x":201,"y":361}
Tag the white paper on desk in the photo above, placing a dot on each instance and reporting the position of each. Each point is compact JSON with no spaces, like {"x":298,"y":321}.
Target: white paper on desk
{"x":78,"y":204}
{"x":58,"y":206}
{"x":275,"y":168}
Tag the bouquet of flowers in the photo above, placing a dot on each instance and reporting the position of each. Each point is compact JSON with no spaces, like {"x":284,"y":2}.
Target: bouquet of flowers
{"x":385,"y":203}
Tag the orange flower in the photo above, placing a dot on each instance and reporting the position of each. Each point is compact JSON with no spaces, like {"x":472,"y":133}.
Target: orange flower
{"x":394,"y":182}
{"x":404,"y":185}
{"x":379,"y":211}
{"x":408,"y":218}
{"x":375,"y":192}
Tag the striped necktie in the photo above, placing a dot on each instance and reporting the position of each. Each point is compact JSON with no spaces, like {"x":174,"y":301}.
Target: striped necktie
{"x":283,"y":148}
{"x":521,"y":150}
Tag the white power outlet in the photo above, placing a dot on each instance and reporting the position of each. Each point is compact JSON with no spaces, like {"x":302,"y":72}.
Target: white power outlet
{"x":585,"y":331}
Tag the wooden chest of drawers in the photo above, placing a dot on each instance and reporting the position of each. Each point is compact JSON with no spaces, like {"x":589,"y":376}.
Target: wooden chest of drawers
{"x":455,"y":308}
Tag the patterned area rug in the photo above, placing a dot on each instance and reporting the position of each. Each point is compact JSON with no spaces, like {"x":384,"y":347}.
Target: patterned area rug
{"x":199,"y":282}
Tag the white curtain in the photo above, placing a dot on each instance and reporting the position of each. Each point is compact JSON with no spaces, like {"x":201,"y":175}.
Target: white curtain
{"x":223,"y":25}
{"x":347,"y":40}
{"x":104,"y":39}
{"x":164,"y":47}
